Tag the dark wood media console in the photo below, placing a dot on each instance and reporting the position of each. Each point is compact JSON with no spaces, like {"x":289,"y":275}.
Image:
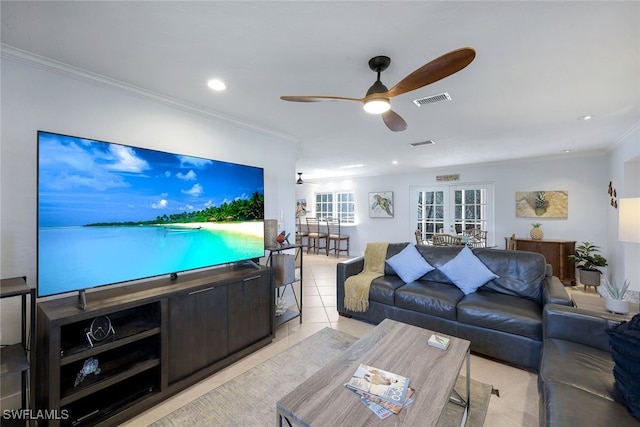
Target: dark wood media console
{"x":169,"y":334}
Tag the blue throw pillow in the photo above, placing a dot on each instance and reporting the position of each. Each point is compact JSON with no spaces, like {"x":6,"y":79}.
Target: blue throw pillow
{"x":409,"y":264}
{"x":467,"y":272}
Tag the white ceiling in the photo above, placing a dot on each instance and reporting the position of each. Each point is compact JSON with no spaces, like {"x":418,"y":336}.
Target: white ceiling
{"x":539,"y":66}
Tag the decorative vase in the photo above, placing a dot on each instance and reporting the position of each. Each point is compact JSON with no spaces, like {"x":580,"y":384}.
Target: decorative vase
{"x":617,"y":306}
{"x":270,"y":232}
{"x":281,"y":306}
{"x":536,"y":232}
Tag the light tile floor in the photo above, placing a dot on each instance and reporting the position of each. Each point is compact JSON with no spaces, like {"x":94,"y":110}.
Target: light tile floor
{"x":517,"y":405}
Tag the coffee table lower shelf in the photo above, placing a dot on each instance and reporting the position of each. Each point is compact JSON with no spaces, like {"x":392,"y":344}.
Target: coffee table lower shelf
{"x":322,"y":400}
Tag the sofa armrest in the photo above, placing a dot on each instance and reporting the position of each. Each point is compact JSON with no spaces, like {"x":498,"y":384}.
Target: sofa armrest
{"x":577,"y":325}
{"x":553,"y":292}
{"x":345,"y":269}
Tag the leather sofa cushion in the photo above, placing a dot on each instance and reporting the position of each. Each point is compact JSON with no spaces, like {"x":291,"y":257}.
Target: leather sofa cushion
{"x":578,"y":365}
{"x":502,"y":312}
{"x":519,"y":273}
{"x":564,"y":405}
{"x":438,"y":256}
{"x":433,"y":298}
{"x":392,"y":250}
{"x":383,"y":289}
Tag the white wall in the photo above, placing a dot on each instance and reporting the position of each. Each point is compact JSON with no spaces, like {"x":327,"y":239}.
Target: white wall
{"x":624,"y":167}
{"x":35,"y":98}
{"x":584,"y":177}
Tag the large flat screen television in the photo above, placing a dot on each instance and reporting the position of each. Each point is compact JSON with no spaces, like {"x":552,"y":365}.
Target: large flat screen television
{"x":111,"y":213}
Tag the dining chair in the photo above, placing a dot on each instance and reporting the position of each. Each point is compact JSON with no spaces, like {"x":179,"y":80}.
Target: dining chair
{"x":301,"y":233}
{"x":512,"y":242}
{"x":316,"y":236}
{"x":446,"y":240}
{"x":478,"y":237}
{"x":335,"y":235}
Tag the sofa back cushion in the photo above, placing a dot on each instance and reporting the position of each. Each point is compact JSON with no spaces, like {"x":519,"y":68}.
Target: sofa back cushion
{"x":520,"y":273}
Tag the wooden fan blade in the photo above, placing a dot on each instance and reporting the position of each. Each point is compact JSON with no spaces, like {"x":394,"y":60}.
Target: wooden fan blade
{"x":318,"y":98}
{"x":431,"y":72}
{"x":394,"y":121}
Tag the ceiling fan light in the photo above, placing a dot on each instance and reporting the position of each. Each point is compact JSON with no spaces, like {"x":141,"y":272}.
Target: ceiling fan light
{"x":377,"y":106}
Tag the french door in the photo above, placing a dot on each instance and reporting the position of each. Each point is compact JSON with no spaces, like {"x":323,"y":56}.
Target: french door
{"x":452,"y":209}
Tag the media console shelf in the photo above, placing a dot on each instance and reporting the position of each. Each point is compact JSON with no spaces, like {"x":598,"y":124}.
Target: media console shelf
{"x":165,"y":335}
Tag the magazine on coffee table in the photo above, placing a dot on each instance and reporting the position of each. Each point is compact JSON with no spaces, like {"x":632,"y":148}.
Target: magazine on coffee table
{"x":380,"y":383}
{"x":381,"y":406}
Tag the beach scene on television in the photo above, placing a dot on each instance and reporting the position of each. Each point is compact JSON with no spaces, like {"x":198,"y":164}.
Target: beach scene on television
{"x":110,"y":213}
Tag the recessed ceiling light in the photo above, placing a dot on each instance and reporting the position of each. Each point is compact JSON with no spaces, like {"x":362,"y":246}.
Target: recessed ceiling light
{"x":216,"y":84}
{"x":395,"y":162}
{"x":566,"y":151}
{"x":587,"y":117}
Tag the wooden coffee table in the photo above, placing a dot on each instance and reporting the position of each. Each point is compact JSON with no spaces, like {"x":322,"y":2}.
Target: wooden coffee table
{"x":322,"y":400}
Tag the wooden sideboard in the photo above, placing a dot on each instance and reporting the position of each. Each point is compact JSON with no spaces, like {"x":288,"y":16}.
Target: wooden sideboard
{"x":556,"y":252}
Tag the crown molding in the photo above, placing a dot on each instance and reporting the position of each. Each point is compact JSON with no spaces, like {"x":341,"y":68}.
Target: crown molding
{"x":76,"y":73}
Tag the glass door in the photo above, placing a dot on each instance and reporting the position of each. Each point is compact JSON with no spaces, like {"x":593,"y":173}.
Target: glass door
{"x":452,"y":209}
{"x":469,"y":208}
{"x":430,"y":210}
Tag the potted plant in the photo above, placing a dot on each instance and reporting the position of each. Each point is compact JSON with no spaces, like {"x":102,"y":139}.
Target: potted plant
{"x":587,"y":260}
{"x":614,"y":301}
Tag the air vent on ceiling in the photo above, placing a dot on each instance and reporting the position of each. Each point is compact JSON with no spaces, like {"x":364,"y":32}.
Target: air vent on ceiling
{"x":431,"y":99}
{"x":417,"y":144}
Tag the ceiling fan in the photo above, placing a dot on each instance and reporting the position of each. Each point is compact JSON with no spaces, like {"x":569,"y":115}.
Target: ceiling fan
{"x":376,"y":101}
{"x":299,"y":181}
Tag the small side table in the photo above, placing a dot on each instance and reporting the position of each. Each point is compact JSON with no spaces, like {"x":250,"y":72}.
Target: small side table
{"x":289,"y":280}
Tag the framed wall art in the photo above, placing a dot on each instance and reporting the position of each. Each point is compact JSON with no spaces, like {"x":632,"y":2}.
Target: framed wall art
{"x":381,"y":204}
{"x":542,"y":204}
{"x":301,"y":207}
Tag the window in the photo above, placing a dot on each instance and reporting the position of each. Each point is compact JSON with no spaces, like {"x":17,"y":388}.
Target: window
{"x":470,"y":209}
{"x":336,"y":205}
{"x":430,"y":212}
{"x":452,"y":209}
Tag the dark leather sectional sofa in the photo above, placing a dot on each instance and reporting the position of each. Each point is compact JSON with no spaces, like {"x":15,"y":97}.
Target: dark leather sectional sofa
{"x":502,"y":319}
{"x":575,"y":381}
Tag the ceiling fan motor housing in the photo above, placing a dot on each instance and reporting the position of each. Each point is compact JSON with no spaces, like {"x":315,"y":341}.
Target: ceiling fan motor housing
{"x":379,"y":63}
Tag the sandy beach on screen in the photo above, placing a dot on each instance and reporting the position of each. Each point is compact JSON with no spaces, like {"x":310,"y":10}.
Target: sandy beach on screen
{"x":253,"y":228}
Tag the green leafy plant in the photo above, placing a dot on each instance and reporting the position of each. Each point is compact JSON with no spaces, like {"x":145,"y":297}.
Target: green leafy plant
{"x":588,"y":258}
{"x":614,"y":289}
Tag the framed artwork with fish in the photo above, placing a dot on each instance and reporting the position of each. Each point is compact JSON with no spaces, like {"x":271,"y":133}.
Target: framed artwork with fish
{"x":381,"y":204}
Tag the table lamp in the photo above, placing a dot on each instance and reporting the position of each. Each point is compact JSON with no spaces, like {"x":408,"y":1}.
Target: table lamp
{"x":629,"y":220}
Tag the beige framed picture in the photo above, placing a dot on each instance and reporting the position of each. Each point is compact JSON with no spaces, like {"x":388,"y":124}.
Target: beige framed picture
{"x":542,"y":204}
